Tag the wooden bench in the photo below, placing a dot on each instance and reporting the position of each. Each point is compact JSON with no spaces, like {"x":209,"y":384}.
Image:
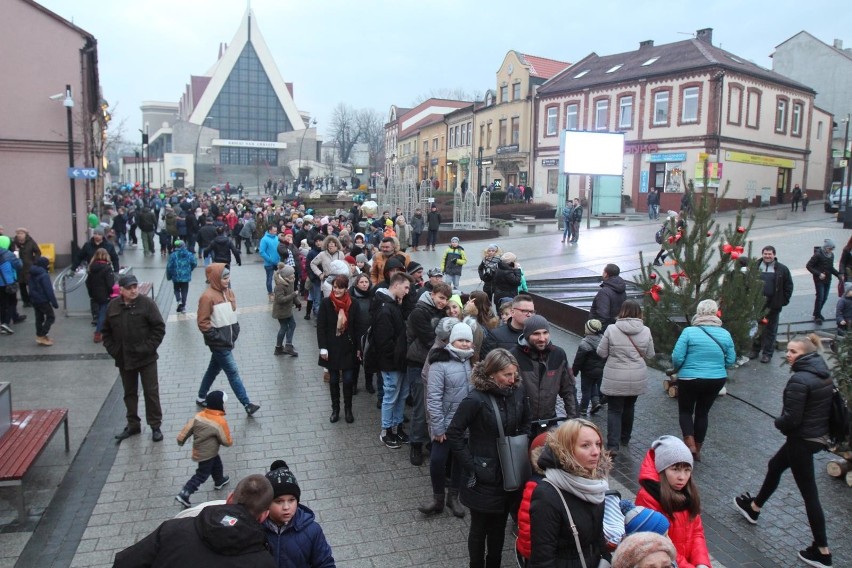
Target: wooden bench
{"x":533,"y":224}
{"x":605,"y":220}
{"x":28,"y":436}
{"x":146,"y":289}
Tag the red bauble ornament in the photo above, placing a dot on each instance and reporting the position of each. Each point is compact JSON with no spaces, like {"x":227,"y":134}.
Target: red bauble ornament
{"x":709,"y":234}
{"x":653,"y":276}
{"x":741,"y":229}
{"x":735,"y":255}
{"x":726,"y":248}
{"x":671,"y":240}
{"x":719,"y":314}
{"x":764,"y":321}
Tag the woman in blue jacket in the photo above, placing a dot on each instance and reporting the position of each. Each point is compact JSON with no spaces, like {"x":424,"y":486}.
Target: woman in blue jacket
{"x":702,"y":354}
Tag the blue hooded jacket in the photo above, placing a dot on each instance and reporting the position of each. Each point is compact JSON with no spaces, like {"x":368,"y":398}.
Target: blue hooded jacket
{"x":301,"y":544}
{"x":40,"y":286}
{"x":9,"y":265}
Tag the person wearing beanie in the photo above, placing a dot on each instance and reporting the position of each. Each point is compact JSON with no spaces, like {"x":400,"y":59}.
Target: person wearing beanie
{"x":179,"y":270}
{"x":668,"y":486}
{"x":843,"y":311}
{"x":433,"y":224}
{"x":448,"y":383}
{"x":403,"y":233}
{"x":488,"y":267}
{"x":361,"y":264}
{"x":703,"y":353}
{"x":418,"y":223}
{"x":641,"y":519}
{"x":209,"y":430}
{"x":87,"y":251}
{"x":589,"y":366}
{"x":545,"y":372}
{"x":821,"y":267}
{"x":454,"y":306}
{"x":507,"y":278}
{"x":608,"y":300}
{"x":9,"y":267}
{"x":43,"y":299}
{"x":295,"y":538}
{"x":286,"y":297}
{"x":644,"y":549}
{"x":777,"y":289}
{"x":453,"y":261}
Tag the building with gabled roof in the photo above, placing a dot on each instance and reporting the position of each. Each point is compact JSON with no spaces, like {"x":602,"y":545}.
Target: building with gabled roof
{"x":677,"y":104}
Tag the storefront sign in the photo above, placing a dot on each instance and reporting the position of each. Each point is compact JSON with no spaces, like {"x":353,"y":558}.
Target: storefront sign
{"x":667,"y":157}
{"x":434,"y":161}
{"x":643,"y":181}
{"x":522,"y":178}
{"x":464,"y":161}
{"x":714,"y":170}
{"x":250,"y":144}
{"x":759,"y":160}
{"x":507,"y":149}
{"x":640,"y":148}
{"x":550,"y":162}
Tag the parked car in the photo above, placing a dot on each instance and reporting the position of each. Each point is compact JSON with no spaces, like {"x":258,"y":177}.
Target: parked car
{"x":832,"y":201}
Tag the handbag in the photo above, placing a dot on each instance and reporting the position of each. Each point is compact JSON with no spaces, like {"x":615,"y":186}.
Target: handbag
{"x":603,"y":562}
{"x":514,"y":454}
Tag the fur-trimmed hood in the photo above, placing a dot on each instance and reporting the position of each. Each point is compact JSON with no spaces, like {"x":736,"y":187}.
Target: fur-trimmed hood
{"x":332,"y":239}
{"x":487,"y":385}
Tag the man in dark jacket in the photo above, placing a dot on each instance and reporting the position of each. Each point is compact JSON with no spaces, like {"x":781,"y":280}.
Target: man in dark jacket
{"x":221,"y":535}
{"x":545,"y":372}
{"x":133,"y":330}
{"x":821,"y":266}
{"x":87,"y":251}
{"x":221,"y":249}
{"x":576,"y":220}
{"x":433,"y":223}
{"x":506,"y":335}
{"x":420,"y":334}
{"x":778,"y":289}
{"x":206,"y":234}
{"x":147,"y":223}
{"x":608,"y":300}
{"x":390,"y":346}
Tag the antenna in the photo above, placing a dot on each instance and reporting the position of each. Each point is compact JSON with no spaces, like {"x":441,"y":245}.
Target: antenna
{"x":687,"y":33}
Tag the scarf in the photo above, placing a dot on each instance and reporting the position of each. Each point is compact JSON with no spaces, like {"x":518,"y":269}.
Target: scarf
{"x":590,"y":490}
{"x":341,"y":306}
{"x":706,"y":320}
{"x":462,"y":354}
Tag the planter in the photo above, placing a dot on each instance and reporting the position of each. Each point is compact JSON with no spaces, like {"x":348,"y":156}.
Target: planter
{"x":503,"y":231}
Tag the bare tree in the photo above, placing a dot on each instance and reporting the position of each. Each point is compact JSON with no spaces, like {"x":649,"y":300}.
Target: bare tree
{"x":344,"y":129}
{"x":371,"y":127}
{"x":454,"y":94}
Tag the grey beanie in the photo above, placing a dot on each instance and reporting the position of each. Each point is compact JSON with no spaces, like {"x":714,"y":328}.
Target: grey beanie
{"x":461,"y":331}
{"x":361,"y":258}
{"x":445,"y":327}
{"x":828,"y":243}
{"x":669,"y":450}
{"x":593,"y":326}
{"x":533,"y":324}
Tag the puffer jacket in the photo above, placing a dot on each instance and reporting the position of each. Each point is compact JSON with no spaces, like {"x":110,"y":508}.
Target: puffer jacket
{"x":607,"y":302}
{"x":822,"y":263}
{"x":9,"y":266}
{"x":300,"y":544}
{"x":546,"y":375}
{"x":181,"y":264}
{"x":448,"y":385}
{"x":687,"y":534}
{"x":506,"y":281}
{"x":389,"y":343}
{"x":268,"y":249}
{"x":587,"y":361}
{"x":625,"y":372}
{"x":363,"y":301}
{"x":221,"y":250}
{"x":697,"y":356}
{"x":341,"y":348}
{"x":217,"y":311}
{"x":454,"y":259}
{"x":286,"y":296}
{"x":418,"y":223}
{"x":99,"y":281}
{"x":321,"y":263}
{"x":420,"y":330}
{"x":477,"y":454}
{"x":209,"y":430}
{"x":40,"y":286}
{"x":807,"y":399}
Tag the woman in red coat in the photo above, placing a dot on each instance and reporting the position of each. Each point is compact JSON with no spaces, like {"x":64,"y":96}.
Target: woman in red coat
{"x":667,"y":486}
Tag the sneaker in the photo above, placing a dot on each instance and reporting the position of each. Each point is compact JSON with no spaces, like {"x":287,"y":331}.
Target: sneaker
{"x":743,"y":359}
{"x":225,"y":481}
{"x":183,"y":499}
{"x":743,"y":504}
{"x":583,"y":413}
{"x":202,"y":402}
{"x":5,"y":329}
{"x":252,"y":408}
{"x":401,"y":435}
{"x":390,"y":440}
{"x":47,"y":341}
{"x":813,"y":557}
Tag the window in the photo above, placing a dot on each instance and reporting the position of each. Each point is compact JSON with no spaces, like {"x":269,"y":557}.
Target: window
{"x":552,"y":121}
{"x":625,"y":112}
{"x":552,"y":181}
{"x":735,"y":104}
{"x":615,"y":68}
{"x":781,"y":116}
{"x":581,"y":73}
{"x":650,"y":61}
{"x":434,"y":144}
{"x":572,"y":118}
{"x":462,"y":139}
{"x":489,"y":135}
{"x":481,"y":134}
{"x":601,"y":114}
{"x":796,"y":127}
{"x":504,"y":94}
{"x":661,"y":108}
{"x":753,"y":108}
{"x":689,"y":112}
{"x":426,"y":147}
{"x":516,"y":91}
{"x":502,"y":134}
{"x":469,"y":133}
{"x":819,"y":130}
{"x":516,"y":130}
{"x":450,"y":139}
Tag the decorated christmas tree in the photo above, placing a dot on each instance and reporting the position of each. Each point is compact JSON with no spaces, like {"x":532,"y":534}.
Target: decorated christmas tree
{"x":704,"y":261}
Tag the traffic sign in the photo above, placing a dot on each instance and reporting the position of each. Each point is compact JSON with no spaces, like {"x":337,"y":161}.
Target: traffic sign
{"x":843,"y":163}
{"x":83,"y":173}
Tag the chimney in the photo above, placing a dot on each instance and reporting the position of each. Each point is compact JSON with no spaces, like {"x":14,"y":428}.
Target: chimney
{"x":646,"y":43}
{"x":705,"y":35}
{"x":838,"y":44}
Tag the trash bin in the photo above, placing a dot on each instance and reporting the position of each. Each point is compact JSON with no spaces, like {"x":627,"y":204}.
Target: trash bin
{"x":48,"y":251}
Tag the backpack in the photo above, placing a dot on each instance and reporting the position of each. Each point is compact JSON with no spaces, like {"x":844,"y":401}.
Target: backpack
{"x":838,"y":419}
{"x":660,"y":234}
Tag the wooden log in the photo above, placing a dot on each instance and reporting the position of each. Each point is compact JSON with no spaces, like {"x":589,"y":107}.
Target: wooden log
{"x":837,"y":468}
{"x":666,"y":384}
{"x":849,"y":478}
{"x":672,"y":390}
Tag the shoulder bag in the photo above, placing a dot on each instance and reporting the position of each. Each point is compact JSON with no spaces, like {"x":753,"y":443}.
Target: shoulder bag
{"x":603,"y":562}
{"x":513,"y":452}
{"x":716,"y":341}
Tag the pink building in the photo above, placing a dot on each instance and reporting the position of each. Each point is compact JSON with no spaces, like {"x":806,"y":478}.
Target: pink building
{"x":49,"y":53}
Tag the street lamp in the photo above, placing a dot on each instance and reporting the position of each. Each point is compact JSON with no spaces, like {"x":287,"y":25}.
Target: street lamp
{"x":195,"y":155}
{"x":847,"y":169}
{"x":479,"y":172}
{"x":426,"y":169}
{"x":68,"y":103}
{"x":312,"y":123}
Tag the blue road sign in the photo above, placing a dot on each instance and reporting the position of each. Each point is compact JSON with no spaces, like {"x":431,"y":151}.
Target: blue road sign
{"x":83,"y":173}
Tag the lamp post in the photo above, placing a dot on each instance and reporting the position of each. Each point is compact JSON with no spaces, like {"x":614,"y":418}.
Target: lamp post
{"x":68,"y":103}
{"x":312,"y":123}
{"x":847,"y":170}
{"x":426,"y":169}
{"x":195,"y":155}
{"x":479,"y":172}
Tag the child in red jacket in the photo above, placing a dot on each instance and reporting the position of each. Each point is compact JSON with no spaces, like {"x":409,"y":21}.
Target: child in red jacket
{"x":667,"y":486}
{"x":523,"y":543}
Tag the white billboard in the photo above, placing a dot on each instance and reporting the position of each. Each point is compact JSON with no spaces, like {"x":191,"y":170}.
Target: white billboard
{"x":593,"y":153}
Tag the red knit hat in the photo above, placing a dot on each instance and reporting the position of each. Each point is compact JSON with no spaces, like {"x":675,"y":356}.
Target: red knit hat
{"x":350,"y":259}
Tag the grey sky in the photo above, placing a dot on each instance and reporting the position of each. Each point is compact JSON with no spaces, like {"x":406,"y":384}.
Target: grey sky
{"x":374,"y":53}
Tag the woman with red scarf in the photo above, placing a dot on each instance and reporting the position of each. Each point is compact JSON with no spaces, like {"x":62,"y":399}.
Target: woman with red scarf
{"x":338,"y":344}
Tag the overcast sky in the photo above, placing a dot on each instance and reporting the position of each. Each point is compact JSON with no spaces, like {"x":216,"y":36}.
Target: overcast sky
{"x":374,"y":53}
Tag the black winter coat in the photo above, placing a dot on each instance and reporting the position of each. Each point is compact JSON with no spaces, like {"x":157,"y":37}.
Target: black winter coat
{"x":88,"y":250}
{"x":587,"y":361}
{"x":420,"y":330}
{"x":146,"y":221}
{"x":506,"y":281}
{"x":221,"y":249}
{"x":388,"y":332}
{"x":807,"y":399}
{"x":546,"y":375}
{"x":477,"y":454}
{"x":433,"y":220}
{"x":505,"y":336}
{"x":783,"y":290}
{"x":362,"y":300}
{"x":132,"y":333}
{"x":99,"y":282}
{"x":342,"y":349}
{"x":206,"y":234}
{"x":221,"y":536}
{"x":607,"y":302}
{"x":822,"y":263}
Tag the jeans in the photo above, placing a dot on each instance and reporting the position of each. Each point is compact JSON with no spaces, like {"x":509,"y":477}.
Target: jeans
{"x":419,"y":434}
{"x":130,"y":379}
{"x":208,"y":259}
{"x":393,"y":403}
{"x":44,"y":318}
{"x":336,"y":376}
{"x":823,"y":289}
{"x":797,"y":455}
{"x":7,"y":306}
{"x":181,"y":292}
{"x":121,"y":239}
{"x":453,"y":280}
{"x":590,"y":391}
{"x":619,"y":420}
{"x":653,"y":212}
{"x":270,"y":270}
{"x":487,"y":530}
{"x":695,"y":397}
{"x":316,"y":296}
{"x":415,"y":239}
{"x":431,"y":238}
{"x":223,"y":360}
{"x":575,"y":230}
{"x":202,"y":472}
{"x":190,"y":242}
{"x":770,"y":332}
{"x":102,"y":310}
{"x":441,"y":454}
{"x":566,"y":231}
{"x":286,"y":329}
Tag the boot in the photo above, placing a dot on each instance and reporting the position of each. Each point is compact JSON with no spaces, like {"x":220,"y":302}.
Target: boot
{"x":347,"y":403}
{"x":435,"y":507}
{"x":279,"y":350}
{"x":334,"y":388}
{"x":690,"y":443}
{"x":308,"y":308}
{"x":98,"y":337}
{"x":368,"y":382}
{"x":697,"y":454}
{"x":290,"y":350}
{"x":415,"y":455}
{"x":453,"y":504}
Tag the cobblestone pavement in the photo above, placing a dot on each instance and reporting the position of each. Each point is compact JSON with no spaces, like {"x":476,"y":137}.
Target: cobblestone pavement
{"x":364,"y":494}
